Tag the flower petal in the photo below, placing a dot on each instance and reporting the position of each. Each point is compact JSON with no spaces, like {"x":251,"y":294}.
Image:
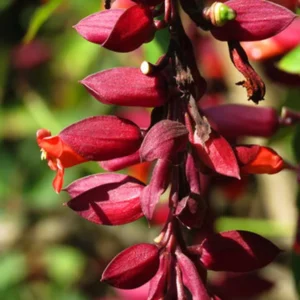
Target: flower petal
{"x":132,"y":267}
{"x":255,"y":20}
{"x":191,"y":278}
{"x":127,"y":86}
{"x":237,"y":251}
{"x":158,"y":184}
{"x":102,"y":137}
{"x":163,"y":140}
{"x":114,"y":29}
{"x":259,"y":160}
{"x":217,"y":154}
{"x":191,"y":211}
{"x":120,"y":163}
{"x":234,"y":120}
{"x":159,"y":281}
{"x":108,"y":199}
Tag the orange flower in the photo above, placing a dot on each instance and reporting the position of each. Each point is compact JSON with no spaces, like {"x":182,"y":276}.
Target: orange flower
{"x":58,"y":154}
{"x":265,"y":161}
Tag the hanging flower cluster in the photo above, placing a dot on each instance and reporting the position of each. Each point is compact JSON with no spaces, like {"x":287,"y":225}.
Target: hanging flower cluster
{"x":186,"y":141}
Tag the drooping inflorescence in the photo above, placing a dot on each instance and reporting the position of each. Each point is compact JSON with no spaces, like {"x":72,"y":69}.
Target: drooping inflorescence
{"x":188,"y":142}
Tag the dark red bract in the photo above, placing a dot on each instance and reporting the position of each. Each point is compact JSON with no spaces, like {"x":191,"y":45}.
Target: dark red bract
{"x":256,"y":20}
{"x":113,"y":29}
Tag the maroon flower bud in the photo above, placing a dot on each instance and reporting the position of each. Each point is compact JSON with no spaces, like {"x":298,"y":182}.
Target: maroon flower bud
{"x":163,"y":140}
{"x":132,"y":267}
{"x":117,"y":29}
{"x":127,"y":86}
{"x":237,"y":251}
{"x":108,"y":199}
{"x":102,"y":138}
{"x":234,"y":120}
{"x":216,"y":154}
{"x":255,"y":20}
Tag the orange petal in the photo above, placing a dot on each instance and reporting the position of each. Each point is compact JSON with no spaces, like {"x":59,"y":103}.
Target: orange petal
{"x":69,"y":157}
{"x":52,"y":145}
{"x":267,"y":161}
{"x":59,"y":178}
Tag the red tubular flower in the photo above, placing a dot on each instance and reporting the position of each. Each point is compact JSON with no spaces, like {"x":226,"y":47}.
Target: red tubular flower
{"x":255,"y":20}
{"x":115,"y":29}
{"x":58,"y":154}
{"x":95,"y":138}
{"x":234,"y":120}
{"x":108,"y":199}
{"x":137,"y":88}
{"x":235,"y":251}
{"x":132,"y":267}
{"x":256,"y":159}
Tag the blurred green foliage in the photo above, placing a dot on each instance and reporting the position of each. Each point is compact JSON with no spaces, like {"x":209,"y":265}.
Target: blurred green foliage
{"x":290,"y":62}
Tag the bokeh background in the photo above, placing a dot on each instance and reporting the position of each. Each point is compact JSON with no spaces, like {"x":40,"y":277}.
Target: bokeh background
{"x":47,"y":251}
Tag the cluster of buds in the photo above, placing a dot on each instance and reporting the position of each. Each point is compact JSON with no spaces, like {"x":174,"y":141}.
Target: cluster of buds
{"x":186,"y":142}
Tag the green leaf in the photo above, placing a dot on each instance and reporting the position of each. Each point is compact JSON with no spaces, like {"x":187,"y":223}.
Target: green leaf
{"x":41,"y":15}
{"x":290,"y":63}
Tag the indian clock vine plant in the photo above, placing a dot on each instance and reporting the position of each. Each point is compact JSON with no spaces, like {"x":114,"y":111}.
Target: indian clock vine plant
{"x":187,"y":142}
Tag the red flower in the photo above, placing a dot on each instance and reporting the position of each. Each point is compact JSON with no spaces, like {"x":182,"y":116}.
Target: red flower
{"x":147,"y":91}
{"x":115,"y":29}
{"x":255,"y":20}
{"x":95,"y":138}
{"x":107,"y":199}
{"x":132,"y":267}
{"x":58,"y":154}
{"x":243,"y":120}
{"x":256,"y":159}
